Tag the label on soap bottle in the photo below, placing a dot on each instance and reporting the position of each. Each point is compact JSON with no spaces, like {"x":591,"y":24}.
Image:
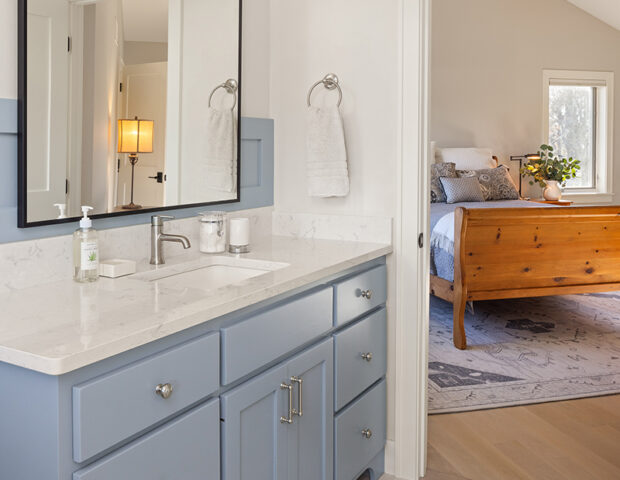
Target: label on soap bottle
{"x":90,"y":256}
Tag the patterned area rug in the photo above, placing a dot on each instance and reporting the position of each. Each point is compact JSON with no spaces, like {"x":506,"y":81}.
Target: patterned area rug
{"x":524,"y":351}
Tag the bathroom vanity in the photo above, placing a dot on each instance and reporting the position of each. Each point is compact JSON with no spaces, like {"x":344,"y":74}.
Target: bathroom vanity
{"x":280,"y":375}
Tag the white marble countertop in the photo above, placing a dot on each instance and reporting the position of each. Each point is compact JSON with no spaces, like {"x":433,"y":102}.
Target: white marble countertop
{"x":62,"y":326}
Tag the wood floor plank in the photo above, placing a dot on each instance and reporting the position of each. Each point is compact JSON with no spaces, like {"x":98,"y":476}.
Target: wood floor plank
{"x":577,"y":439}
{"x":439,"y":462}
{"x":590,"y":432}
{"x":474,"y":452}
{"x":535,"y":465}
{"x":568,"y":443}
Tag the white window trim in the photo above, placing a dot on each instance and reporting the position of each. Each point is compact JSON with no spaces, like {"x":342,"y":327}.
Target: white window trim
{"x":603,"y":193}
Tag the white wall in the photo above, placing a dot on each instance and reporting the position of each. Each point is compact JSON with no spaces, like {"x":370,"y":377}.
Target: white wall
{"x":108,"y":50}
{"x":256,"y":59}
{"x":487,"y":62}
{"x":359,"y":41}
{"x":8,"y":48}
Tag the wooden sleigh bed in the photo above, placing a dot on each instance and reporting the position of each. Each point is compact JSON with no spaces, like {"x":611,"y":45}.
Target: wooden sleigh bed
{"x":530,"y":252}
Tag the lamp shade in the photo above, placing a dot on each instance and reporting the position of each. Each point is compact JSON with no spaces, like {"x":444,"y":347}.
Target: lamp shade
{"x":135,"y":136}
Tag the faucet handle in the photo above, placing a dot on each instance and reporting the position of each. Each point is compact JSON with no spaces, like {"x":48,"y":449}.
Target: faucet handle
{"x":158,"y":220}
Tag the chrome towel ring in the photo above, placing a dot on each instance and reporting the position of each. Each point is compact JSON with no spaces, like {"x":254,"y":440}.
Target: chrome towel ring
{"x":330,"y":82}
{"x":231,"y":87}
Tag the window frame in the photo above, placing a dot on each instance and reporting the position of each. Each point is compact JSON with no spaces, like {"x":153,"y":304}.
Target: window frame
{"x":602,"y":192}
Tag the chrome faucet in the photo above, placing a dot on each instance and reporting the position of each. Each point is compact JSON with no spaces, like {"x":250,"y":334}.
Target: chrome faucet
{"x":158,"y":237}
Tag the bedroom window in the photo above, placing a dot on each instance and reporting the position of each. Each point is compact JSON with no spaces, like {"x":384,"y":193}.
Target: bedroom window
{"x":577,"y":116}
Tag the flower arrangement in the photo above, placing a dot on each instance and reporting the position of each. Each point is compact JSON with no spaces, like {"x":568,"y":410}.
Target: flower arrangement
{"x":549,"y":167}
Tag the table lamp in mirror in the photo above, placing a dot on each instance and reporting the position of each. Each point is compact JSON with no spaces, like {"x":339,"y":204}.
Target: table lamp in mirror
{"x":134,"y":136}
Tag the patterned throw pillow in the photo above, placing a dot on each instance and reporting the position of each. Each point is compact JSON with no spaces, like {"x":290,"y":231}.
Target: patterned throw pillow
{"x":439,"y":170}
{"x":496,"y":183}
{"x":466,"y":189}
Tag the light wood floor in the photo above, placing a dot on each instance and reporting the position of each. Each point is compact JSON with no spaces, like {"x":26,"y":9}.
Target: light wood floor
{"x":577,"y":439}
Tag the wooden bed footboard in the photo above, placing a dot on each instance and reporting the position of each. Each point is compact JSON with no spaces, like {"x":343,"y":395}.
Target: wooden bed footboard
{"x":530,"y":252}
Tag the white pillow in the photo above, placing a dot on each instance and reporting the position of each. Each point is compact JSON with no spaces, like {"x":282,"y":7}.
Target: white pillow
{"x":466,"y":158}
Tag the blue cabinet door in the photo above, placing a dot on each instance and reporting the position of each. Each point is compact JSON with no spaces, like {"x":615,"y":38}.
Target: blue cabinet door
{"x":253,"y":437}
{"x":310,"y":437}
{"x":258,"y":445}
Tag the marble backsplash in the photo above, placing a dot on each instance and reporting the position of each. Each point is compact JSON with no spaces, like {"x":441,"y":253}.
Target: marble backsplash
{"x":34,"y":262}
{"x":353,"y":228}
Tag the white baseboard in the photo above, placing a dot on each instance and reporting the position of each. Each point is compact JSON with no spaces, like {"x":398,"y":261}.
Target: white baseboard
{"x":389,"y":457}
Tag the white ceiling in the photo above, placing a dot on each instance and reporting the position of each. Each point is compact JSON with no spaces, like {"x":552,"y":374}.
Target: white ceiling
{"x":145,"y":20}
{"x":606,"y":10}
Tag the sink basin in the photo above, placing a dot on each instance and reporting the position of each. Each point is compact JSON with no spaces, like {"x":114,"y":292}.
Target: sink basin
{"x":208,"y":273}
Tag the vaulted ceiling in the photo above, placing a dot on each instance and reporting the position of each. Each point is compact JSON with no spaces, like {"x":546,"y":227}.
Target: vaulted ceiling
{"x":606,"y":10}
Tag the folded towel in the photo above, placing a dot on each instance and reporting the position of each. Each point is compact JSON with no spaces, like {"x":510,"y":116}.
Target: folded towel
{"x":327,"y":170}
{"x":221,"y":150}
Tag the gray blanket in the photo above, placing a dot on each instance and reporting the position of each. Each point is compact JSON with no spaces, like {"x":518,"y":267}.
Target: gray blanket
{"x":442,"y":257}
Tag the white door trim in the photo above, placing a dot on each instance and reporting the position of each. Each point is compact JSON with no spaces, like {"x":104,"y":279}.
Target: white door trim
{"x":412,"y":263}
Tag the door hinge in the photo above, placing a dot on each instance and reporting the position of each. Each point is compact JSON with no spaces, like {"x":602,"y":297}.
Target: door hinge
{"x":421,"y":240}
{"x":66,"y":186}
{"x":120,"y":87}
{"x":69,"y":44}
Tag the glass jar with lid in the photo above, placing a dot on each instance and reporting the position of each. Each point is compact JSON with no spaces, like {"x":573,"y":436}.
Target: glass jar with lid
{"x":212,"y":232}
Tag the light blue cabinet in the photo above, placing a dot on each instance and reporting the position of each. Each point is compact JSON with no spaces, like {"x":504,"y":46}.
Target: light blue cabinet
{"x":254,"y":440}
{"x":266,"y":393}
{"x":310,"y":436}
{"x":279,"y":425}
{"x":184,"y":448}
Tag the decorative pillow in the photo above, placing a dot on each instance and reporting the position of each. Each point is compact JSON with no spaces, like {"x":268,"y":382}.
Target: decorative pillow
{"x":496,"y":183}
{"x":466,"y":189}
{"x":439,"y":170}
{"x":466,"y":158}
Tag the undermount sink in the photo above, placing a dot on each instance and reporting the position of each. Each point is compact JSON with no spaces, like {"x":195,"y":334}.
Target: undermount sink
{"x":209,"y":273}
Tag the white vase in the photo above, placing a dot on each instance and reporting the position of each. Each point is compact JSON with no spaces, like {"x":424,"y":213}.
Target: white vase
{"x":552,"y":191}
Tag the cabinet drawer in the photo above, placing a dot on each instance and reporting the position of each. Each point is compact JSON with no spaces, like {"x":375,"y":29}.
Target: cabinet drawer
{"x":356,"y":370}
{"x":264,"y":337}
{"x":352,"y":295}
{"x":187,"y":448}
{"x":353,"y":449}
{"x":115,"y":406}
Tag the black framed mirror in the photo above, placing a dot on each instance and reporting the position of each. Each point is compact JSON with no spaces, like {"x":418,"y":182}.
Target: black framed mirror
{"x":128,"y":106}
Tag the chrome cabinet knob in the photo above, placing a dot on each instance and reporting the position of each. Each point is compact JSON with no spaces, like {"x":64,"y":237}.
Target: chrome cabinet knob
{"x":367,"y":356}
{"x":367,"y":294}
{"x":164,"y":390}
{"x":367,"y":433}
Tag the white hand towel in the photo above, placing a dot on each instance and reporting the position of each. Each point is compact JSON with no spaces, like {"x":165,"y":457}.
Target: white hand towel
{"x":326,"y":166}
{"x":221,"y":150}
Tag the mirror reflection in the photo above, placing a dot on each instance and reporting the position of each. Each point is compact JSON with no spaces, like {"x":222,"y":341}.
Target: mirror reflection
{"x":130,"y":105}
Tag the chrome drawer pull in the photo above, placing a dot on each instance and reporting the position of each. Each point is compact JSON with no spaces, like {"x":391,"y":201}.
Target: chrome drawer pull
{"x":367,"y":433}
{"x":164,"y":390}
{"x":367,"y":356}
{"x":299,"y":381}
{"x":288,"y":420}
{"x":367,"y":294}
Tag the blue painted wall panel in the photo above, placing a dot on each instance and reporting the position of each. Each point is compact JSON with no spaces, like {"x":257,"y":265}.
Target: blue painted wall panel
{"x":257,"y":152}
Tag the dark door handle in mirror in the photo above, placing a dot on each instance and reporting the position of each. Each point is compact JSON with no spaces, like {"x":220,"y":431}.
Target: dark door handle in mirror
{"x":160,"y":177}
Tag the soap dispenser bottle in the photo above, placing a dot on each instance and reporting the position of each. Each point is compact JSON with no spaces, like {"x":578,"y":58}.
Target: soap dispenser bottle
{"x":85,"y":250}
